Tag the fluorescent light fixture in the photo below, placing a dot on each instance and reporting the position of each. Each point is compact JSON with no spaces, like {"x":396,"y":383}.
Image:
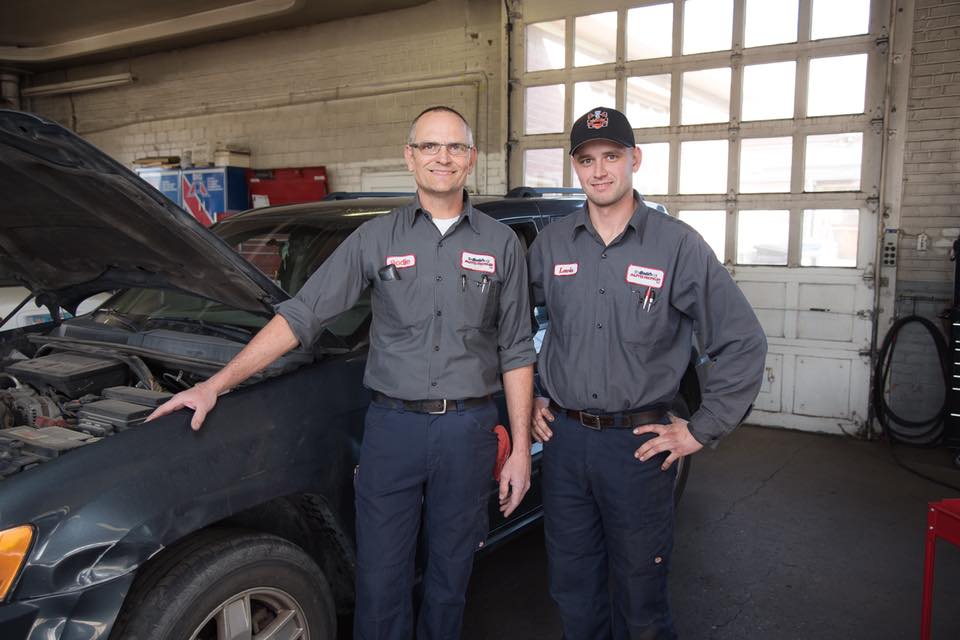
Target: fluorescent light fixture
{"x":76,"y":86}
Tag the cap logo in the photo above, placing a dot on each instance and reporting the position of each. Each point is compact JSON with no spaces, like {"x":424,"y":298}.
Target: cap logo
{"x":597,"y":120}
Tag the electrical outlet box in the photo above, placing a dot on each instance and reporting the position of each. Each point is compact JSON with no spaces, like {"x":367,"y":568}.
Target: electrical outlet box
{"x":923,"y":242}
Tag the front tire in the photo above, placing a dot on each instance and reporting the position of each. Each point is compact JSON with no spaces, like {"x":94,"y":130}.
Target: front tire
{"x":222,"y":585}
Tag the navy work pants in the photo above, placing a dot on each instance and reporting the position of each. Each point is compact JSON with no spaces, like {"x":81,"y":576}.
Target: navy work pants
{"x":608,"y":520}
{"x":439,"y":466}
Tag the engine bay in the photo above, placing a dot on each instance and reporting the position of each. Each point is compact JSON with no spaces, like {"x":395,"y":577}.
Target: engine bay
{"x":54,"y":403}
{"x":73,"y":383}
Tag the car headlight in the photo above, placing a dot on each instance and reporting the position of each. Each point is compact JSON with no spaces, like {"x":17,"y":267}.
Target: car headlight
{"x":14,"y":544}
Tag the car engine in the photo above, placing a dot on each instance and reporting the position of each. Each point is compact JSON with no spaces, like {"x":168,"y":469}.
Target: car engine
{"x":54,"y":403}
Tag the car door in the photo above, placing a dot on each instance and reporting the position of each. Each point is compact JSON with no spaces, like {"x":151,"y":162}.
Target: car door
{"x":526,"y":228}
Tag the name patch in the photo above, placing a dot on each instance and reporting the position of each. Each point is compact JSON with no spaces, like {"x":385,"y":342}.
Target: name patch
{"x":645,"y":276}
{"x":478,"y":262}
{"x":402,"y":262}
{"x":566,"y":269}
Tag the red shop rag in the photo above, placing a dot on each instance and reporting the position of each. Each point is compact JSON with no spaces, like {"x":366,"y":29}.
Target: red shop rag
{"x":503,"y":450}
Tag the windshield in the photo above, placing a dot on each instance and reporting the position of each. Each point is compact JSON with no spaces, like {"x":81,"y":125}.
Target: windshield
{"x":287,"y":248}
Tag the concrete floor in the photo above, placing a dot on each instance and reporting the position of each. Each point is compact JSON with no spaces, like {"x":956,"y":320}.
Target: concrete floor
{"x":781,"y":535}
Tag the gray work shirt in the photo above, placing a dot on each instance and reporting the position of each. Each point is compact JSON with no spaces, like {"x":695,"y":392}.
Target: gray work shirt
{"x":604,"y":351}
{"x":457,"y":317}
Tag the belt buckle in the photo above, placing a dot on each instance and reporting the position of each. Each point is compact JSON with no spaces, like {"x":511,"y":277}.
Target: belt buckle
{"x":441,"y":412}
{"x":594,"y":421}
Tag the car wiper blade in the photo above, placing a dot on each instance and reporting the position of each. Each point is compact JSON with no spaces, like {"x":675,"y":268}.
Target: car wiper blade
{"x":229,"y":331}
{"x":122,"y":318}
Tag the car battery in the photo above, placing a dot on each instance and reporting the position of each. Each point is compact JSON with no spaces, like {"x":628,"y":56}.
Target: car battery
{"x":72,"y":374}
{"x":46,"y":442}
{"x":133,"y":395}
{"x":104,"y":417}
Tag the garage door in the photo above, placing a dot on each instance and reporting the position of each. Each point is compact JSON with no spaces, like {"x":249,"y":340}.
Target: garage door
{"x":760,"y":123}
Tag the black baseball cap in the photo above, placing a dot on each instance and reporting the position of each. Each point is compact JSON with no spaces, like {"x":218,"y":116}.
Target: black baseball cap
{"x":601,"y":123}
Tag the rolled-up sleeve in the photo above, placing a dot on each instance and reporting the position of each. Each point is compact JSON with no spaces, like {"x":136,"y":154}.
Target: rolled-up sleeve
{"x":515,"y":343}
{"x":535,"y":262}
{"x":332,"y":289}
{"x":731,"y":337}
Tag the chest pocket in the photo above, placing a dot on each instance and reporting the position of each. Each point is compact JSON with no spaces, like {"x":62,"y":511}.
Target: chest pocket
{"x":644,"y":324}
{"x":397,"y":302}
{"x":481,"y":300}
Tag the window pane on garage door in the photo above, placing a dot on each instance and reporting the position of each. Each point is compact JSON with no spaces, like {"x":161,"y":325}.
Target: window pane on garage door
{"x":706,"y":96}
{"x":837,"y":85}
{"x":596,"y":39}
{"x":765,"y":165}
{"x":545,"y":45}
{"x":712,"y":225}
{"x":770,"y":22}
{"x":543,"y":167}
{"x":707,"y":25}
{"x":703,"y":166}
{"x":650,"y":32}
{"x":543,"y":109}
{"x":830,"y":237}
{"x":768,"y":90}
{"x":762,"y":237}
{"x":833,"y":162}
{"x":648,"y":101}
{"x":834,"y":18}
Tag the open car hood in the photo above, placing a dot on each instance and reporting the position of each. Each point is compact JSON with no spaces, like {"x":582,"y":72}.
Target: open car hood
{"x":74,"y":222}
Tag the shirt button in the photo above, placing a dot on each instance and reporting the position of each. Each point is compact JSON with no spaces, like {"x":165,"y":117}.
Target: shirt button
{"x":439,"y":313}
{"x":603,"y":255}
{"x":440,"y":245}
{"x":599,"y":325}
{"x":433,"y":384}
{"x":603,"y":290}
{"x":436,"y":347}
{"x":594,"y":396}
{"x":439,"y":278}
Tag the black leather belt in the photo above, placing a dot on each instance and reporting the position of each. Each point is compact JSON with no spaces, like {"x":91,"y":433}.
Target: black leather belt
{"x":622,"y":420}
{"x":433,"y":407}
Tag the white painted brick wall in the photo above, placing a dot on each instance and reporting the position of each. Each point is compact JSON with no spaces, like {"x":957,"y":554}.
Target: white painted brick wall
{"x":931,"y":202}
{"x":286,"y":94}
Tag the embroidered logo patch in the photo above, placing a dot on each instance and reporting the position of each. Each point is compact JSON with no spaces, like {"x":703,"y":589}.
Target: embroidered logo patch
{"x":597,"y":120}
{"x":402,"y":262}
{"x":645,"y":276}
{"x":566,"y":269}
{"x":478,"y":262}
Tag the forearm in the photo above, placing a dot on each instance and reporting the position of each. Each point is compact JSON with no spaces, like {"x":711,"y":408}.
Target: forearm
{"x":271,"y":342}
{"x":518,"y":389}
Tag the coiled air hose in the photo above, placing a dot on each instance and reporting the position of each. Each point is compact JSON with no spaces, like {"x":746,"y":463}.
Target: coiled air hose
{"x":926,"y":432}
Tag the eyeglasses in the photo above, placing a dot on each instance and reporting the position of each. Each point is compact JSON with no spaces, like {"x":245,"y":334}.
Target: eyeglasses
{"x":433,"y":148}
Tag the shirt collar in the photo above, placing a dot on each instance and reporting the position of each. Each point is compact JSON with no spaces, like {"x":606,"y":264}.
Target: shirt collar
{"x":468,"y":211}
{"x":638,"y":220}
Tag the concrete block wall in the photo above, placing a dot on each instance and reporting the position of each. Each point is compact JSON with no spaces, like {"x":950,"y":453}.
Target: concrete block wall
{"x":931,"y":201}
{"x":339,"y":94}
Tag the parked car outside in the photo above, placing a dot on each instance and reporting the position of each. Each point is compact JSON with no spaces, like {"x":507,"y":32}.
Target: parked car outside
{"x":110,"y":528}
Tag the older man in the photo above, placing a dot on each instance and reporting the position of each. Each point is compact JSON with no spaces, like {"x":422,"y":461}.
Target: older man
{"x":450,"y":317}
